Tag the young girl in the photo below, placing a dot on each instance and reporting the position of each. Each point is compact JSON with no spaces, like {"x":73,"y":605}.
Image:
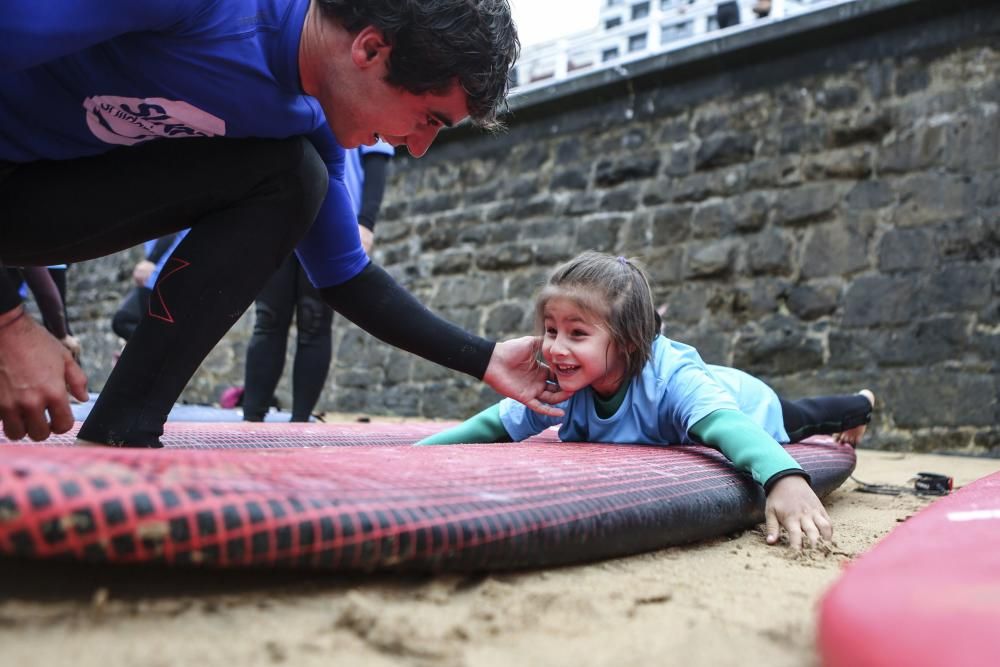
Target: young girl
{"x":631,"y":385}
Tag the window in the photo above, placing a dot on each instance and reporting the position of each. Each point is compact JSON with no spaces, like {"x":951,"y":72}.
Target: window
{"x":675,"y":31}
{"x":711,"y":23}
{"x":637,"y":42}
{"x":640,"y":11}
{"x":609,"y":54}
{"x":613,"y":23}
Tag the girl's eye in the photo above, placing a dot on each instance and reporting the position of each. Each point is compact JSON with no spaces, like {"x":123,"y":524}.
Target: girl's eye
{"x":432,"y":121}
{"x":579,"y":333}
{"x":550,"y":332}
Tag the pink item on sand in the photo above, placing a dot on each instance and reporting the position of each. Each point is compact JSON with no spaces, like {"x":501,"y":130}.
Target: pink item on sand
{"x":231,"y":397}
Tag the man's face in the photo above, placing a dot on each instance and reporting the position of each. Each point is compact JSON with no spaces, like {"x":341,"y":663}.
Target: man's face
{"x":401,"y":118}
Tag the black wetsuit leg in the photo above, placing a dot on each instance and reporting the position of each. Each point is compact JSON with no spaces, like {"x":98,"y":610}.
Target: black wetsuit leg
{"x":824,"y":415}
{"x":313,"y":347}
{"x":273,"y":311}
{"x":248,"y":201}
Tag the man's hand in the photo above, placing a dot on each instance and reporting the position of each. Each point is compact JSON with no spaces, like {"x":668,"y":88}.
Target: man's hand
{"x":367,"y":239}
{"x":515,"y":371}
{"x":142,"y":271}
{"x":35,"y":373}
{"x":793,"y":505}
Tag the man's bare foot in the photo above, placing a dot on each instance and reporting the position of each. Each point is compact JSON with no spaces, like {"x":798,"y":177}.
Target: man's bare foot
{"x":853,"y":436}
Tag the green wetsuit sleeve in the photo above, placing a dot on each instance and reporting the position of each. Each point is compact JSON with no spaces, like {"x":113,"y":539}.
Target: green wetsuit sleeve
{"x":747,"y":445}
{"x":484,"y":427}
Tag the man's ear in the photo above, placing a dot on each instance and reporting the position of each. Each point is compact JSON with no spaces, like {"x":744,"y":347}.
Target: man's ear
{"x":370,"y":48}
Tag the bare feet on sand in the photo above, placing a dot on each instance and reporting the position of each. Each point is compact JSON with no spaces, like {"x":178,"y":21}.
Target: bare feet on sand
{"x":853,"y":436}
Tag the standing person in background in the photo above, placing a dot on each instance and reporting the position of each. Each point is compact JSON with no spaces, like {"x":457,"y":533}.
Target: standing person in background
{"x":289,"y":292}
{"x":42,"y":285}
{"x":136,"y":302}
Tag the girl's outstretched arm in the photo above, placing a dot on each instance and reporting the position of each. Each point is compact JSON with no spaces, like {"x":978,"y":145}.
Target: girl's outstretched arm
{"x":791,"y":502}
{"x":484,"y":427}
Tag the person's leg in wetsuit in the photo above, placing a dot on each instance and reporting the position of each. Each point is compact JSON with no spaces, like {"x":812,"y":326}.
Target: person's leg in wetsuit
{"x":313,"y":347}
{"x":130,"y":311}
{"x":266,"y":351}
{"x":248,"y":202}
{"x":826,"y":415}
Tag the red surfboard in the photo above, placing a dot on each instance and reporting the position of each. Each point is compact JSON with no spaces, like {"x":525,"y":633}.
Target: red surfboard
{"x":310,"y":496}
{"x":926,"y":595}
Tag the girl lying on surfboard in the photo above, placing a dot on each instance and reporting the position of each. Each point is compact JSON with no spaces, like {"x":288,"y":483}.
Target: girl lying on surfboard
{"x":632,"y":385}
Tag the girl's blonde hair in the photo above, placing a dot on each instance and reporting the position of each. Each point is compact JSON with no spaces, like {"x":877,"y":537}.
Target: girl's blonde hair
{"x":615,"y":289}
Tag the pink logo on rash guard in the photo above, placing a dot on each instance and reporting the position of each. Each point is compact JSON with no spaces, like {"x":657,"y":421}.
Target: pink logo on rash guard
{"x":126,"y":121}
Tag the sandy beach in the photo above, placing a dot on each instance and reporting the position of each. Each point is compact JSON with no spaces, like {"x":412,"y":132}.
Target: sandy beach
{"x":729,"y":601}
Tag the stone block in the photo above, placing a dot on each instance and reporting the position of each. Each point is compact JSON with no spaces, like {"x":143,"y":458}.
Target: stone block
{"x":837,"y":96}
{"x":757,"y":300}
{"x":665,"y":265}
{"x":610,"y":173}
{"x":467,"y":291}
{"x":851,"y":350}
{"x":870,"y":196}
{"x":778,"y":172}
{"x":807,"y":203}
{"x":687,"y":304}
{"x":882,"y":301}
{"x":812,"y":301}
{"x":506,"y":320}
{"x":673,"y":130}
{"x":399,"y":367}
{"x":751,"y":210}
{"x":957,"y":287}
{"x":804,"y":138}
{"x":587,"y":202}
{"x":770,"y":253}
{"x":930,"y":341}
{"x":600,"y":234}
{"x":693,"y":188}
{"x":625,"y":198}
{"x":868,"y":127}
{"x":538,"y":206}
{"x":680,"y":160}
{"x":777,"y":347}
{"x":713,"y":219}
{"x":451,"y":261}
{"x":836,"y":249}
{"x":720,"y":150}
{"x":853,"y":163}
{"x":572,"y":178}
{"x":525,"y":284}
{"x":912,"y":77}
{"x":932,"y":197}
{"x":505,"y":257}
{"x":902,"y":249}
{"x":710,"y":260}
{"x":935,"y":396}
{"x":916,"y":149}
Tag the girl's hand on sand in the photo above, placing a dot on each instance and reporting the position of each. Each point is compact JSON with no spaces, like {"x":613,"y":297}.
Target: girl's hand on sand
{"x":792,"y":505}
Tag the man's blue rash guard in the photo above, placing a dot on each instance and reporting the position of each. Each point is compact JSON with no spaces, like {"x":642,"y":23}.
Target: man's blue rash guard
{"x":196,"y":68}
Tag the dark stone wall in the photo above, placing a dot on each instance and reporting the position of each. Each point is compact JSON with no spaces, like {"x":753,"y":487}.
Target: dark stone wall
{"x":818,"y":204}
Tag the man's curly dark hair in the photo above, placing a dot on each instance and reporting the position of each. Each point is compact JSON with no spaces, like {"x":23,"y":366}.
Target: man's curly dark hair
{"x":435,"y":42}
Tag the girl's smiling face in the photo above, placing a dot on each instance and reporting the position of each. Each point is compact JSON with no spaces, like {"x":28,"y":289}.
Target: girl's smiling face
{"x":578,"y":349}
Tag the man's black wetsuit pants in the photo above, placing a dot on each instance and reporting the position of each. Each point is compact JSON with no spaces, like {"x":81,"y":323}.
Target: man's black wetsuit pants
{"x":248,"y":202}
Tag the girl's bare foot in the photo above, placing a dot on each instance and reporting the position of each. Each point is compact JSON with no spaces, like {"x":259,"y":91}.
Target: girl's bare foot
{"x":853,"y":436}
